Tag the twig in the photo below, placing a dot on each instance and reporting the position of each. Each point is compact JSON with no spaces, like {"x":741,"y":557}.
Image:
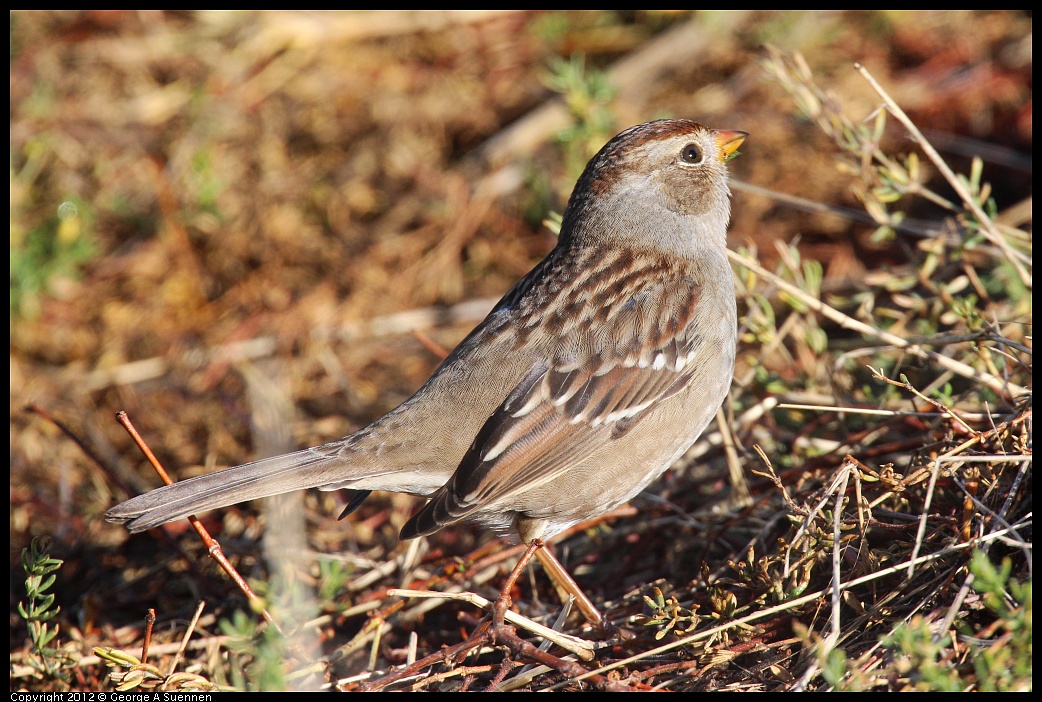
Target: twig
{"x":212,"y":547}
{"x":969,"y":416}
{"x":988,"y":228}
{"x":188,"y":635}
{"x":848,"y":322}
{"x":483,"y":635}
{"x":150,"y":620}
{"x":580,"y":647}
{"x":878,"y":374}
{"x":837,"y":597}
{"x":921,"y":228}
{"x":83,"y":445}
{"x":791,"y":604}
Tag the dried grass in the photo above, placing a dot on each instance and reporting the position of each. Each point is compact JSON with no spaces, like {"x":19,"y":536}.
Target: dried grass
{"x":256,"y":231}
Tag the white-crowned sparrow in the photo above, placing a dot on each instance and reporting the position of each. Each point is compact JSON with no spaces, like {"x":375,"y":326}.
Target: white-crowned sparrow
{"x":588,"y":379}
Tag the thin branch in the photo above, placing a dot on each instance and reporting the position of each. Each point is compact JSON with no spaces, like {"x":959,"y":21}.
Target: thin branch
{"x":848,"y":322}
{"x":988,"y":227}
{"x":791,"y":604}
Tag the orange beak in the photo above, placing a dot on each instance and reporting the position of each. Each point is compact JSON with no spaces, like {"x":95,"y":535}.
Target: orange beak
{"x":729,"y":140}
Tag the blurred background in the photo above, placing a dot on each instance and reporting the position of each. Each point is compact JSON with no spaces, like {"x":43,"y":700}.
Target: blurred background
{"x":257,"y":231}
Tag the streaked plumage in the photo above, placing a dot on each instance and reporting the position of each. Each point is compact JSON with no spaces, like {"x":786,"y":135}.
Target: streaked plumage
{"x":587,"y":380}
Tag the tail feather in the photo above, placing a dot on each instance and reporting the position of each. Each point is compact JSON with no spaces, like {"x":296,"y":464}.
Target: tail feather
{"x":270,"y":476}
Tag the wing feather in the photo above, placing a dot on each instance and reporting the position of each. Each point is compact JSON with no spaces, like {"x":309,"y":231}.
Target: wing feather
{"x":582,"y":397}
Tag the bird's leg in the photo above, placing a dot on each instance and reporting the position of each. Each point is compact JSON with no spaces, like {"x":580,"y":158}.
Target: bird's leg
{"x":499,"y":610}
{"x":563,"y":581}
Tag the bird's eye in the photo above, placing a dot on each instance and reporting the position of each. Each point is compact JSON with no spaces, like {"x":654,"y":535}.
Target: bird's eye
{"x":691,"y":154}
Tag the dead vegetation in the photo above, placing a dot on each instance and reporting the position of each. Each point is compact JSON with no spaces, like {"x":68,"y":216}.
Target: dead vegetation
{"x":258,"y":231}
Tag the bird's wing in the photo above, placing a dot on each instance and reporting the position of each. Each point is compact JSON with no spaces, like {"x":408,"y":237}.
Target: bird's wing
{"x":628,"y":355}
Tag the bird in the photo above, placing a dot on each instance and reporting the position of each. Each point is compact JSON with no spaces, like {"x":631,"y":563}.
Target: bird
{"x":587,"y":380}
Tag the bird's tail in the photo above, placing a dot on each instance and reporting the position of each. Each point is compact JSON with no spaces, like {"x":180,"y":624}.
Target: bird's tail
{"x":323,"y":466}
